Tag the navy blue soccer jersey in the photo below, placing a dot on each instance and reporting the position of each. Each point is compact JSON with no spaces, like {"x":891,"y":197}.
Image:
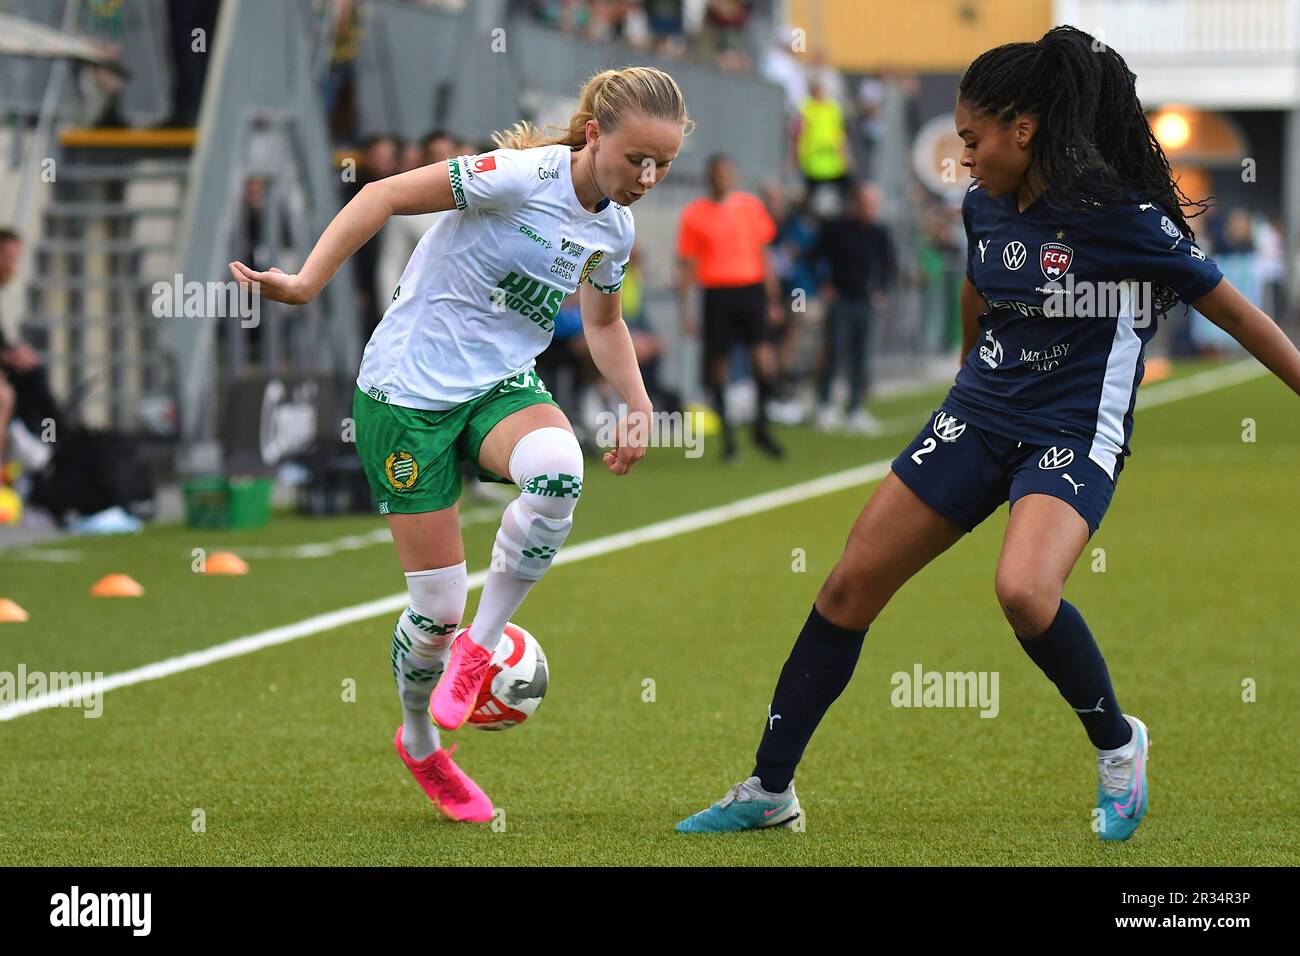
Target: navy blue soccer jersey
{"x":1070,"y":312}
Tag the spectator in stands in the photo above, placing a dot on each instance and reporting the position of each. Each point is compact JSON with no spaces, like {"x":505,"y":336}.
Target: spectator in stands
{"x":822,"y":71}
{"x":724,"y":33}
{"x":605,"y":20}
{"x":821,"y":144}
{"x":658,"y":25}
{"x":870,"y":123}
{"x":27,"y":407}
{"x":722,"y":246}
{"x":1270,"y":249}
{"x":940,"y":243}
{"x":340,"y":81}
{"x":438,"y":145}
{"x":667,"y":22}
{"x":859,"y":265}
{"x":189,"y":56}
{"x":379,"y":157}
{"x":411,"y":156}
{"x":779,"y":65}
{"x":792,"y":257}
{"x":378,"y":160}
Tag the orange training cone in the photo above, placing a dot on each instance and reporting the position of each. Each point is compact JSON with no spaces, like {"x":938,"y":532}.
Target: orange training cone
{"x":11,"y":613}
{"x":117,"y":585}
{"x":225,"y":562}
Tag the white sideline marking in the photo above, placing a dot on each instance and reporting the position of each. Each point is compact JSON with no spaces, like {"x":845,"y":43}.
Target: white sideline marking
{"x":827,"y":484}
{"x":1200,"y":383}
{"x":353,"y":542}
{"x":393,"y":603}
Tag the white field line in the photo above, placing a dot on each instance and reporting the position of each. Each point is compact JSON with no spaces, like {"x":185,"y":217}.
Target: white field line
{"x":352,"y":542}
{"x":658,"y":531}
{"x":1200,"y":383}
{"x":305,"y":550}
{"x":1157,"y":393}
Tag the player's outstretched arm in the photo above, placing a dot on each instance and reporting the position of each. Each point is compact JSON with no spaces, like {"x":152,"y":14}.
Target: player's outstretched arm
{"x":1258,"y":334}
{"x":427,"y":189}
{"x":610,"y":345}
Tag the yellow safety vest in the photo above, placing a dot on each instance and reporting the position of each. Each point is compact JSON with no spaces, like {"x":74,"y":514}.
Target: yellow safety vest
{"x":821,"y":139}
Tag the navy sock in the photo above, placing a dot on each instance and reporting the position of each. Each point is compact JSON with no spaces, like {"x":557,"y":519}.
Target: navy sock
{"x":817,"y":671}
{"x":1067,"y":654}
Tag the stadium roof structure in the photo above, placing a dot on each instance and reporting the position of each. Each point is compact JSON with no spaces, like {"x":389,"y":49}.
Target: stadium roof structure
{"x":20,"y":37}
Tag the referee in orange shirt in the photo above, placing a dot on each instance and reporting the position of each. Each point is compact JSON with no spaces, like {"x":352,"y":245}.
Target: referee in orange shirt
{"x":722,"y":247}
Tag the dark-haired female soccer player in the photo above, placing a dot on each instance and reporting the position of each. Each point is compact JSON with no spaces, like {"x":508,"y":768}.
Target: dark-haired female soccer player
{"x":1072,"y":191}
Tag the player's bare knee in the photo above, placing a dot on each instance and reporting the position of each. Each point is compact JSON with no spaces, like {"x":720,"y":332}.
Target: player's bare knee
{"x":1028,"y":602}
{"x":846,"y":598}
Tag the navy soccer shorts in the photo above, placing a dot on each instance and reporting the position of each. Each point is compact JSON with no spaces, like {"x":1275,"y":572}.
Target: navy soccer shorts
{"x":964,"y":472}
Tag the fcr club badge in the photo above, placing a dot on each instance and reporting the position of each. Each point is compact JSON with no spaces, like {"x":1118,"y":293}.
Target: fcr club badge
{"x":1055,"y":259}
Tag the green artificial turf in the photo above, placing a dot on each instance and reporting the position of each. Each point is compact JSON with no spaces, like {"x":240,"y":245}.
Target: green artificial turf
{"x":1198,"y":595}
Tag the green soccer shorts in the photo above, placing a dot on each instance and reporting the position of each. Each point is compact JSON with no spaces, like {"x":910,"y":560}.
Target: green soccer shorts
{"x":412,"y":457}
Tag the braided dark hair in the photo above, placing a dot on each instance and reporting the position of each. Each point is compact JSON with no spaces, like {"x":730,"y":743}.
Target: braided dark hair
{"x":1093,"y":143}
{"x":1093,"y":140}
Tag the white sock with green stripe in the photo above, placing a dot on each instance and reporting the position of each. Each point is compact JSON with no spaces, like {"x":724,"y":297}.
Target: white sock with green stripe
{"x":546,"y":464}
{"x":421,"y":637}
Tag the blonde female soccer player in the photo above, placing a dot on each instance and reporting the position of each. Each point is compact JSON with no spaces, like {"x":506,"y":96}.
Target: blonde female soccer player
{"x":448,"y":373}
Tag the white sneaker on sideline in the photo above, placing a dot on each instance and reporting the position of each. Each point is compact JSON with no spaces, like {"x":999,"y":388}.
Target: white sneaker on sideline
{"x":862,"y":422}
{"x":829,"y":419}
{"x":32,"y":453}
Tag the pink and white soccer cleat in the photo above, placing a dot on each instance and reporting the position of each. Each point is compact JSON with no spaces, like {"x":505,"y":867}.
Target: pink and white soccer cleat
{"x":450,"y":788}
{"x":457,"y":691}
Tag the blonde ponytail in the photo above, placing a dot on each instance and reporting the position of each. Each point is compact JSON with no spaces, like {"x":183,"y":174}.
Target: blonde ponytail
{"x":609,"y":97}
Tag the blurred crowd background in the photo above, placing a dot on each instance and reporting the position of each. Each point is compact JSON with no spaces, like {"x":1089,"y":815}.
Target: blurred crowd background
{"x":186,"y":133}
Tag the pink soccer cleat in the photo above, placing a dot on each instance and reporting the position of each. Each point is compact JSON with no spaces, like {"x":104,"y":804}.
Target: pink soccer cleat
{"x":458,"y":688}
{"x":450,"y":788}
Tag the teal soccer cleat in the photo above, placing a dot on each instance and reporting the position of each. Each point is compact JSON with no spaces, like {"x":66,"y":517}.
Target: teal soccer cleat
{"x":747,"y":806}
{"x":1122,"y":787}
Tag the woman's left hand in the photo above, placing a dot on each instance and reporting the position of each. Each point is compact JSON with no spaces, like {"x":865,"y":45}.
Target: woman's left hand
{"x":274,"y":284}
{"x":631,"y":440}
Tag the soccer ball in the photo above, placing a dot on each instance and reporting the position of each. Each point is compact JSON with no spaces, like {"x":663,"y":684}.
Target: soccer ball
{"x":515,"y":682}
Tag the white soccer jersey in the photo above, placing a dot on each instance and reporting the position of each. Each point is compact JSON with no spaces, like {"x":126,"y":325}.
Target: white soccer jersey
{"x":478,"y":298}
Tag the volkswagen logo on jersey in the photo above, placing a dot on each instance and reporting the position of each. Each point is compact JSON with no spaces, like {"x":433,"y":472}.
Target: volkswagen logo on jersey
{"x":947,"y":427}
{"x":1014,"y":255}
{"x":1056,"y":458}
{"x":1055,"y":259}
